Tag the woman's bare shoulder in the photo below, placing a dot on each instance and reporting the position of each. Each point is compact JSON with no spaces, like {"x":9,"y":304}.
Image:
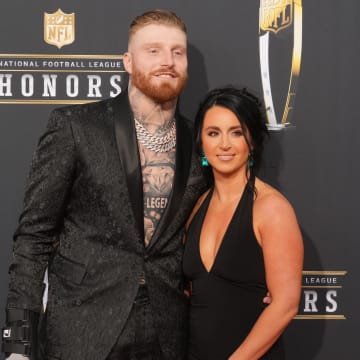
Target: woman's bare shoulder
{"x":270,"y":201}
{"x":274,"y":218}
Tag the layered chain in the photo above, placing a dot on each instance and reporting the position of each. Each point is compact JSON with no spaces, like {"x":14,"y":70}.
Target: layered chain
{"x":157,"y":143}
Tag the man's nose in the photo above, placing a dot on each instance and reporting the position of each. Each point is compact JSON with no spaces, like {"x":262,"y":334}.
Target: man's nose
{"x":167,"y":58}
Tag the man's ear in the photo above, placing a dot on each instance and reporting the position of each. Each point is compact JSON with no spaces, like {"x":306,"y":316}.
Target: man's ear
{"x":127,"y":62}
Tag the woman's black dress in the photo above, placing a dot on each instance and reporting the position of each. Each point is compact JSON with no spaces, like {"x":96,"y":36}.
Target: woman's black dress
{"x":227,"y":299}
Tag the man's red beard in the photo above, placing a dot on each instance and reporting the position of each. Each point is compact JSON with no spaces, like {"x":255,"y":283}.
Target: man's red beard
{"x":160,"y":93}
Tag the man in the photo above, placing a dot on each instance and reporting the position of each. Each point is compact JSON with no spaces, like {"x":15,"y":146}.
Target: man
{"x":111,"y":186}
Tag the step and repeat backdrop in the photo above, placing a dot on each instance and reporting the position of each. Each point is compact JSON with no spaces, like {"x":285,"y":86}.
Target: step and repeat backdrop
{"x":302,"y":57}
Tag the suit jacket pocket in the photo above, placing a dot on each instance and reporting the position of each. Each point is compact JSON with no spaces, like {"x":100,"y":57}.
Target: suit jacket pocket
{"x":67,"y":269}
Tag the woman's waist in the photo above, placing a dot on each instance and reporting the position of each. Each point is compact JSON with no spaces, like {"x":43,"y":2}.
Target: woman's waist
{"x":210,"y":283}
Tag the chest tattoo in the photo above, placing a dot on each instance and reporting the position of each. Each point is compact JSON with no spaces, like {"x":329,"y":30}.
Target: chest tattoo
{"x":158,"y":174}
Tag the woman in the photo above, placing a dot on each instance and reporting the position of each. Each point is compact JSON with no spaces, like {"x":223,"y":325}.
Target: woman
{"x":242,"y":239}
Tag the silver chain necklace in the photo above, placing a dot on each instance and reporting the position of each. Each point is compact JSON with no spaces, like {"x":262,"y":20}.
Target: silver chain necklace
{"x":162,"y":143}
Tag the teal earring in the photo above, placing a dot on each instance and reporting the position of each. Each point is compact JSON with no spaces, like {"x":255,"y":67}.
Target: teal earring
{"x":204,"y":161}
{"x":251,"y":159}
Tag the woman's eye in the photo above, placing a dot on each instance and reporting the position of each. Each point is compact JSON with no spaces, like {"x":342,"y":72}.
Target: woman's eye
{"x":212,"y":133}
{"x":238,"y":133}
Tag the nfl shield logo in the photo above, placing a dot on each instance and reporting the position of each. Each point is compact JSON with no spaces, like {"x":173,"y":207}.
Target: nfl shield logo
{"x":275,"y":15}
{"x":59,"y":28}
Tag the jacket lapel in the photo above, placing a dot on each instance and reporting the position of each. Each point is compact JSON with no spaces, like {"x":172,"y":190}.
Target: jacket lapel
{"x":129,"y":155}
{"x":182,"y":168}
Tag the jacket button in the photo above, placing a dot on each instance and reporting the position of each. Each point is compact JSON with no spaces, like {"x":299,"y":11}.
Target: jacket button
{"x":142,"y":281}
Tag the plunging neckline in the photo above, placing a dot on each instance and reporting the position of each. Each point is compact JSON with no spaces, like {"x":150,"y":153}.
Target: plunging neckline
{"x":206,"y":205}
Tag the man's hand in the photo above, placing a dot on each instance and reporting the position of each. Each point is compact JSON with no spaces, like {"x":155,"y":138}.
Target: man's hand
{"x":17,"y":357}
{"x":267,"y":299}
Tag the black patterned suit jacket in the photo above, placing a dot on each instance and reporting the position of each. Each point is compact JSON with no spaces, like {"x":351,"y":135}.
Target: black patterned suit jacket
{"x":83,"y":220}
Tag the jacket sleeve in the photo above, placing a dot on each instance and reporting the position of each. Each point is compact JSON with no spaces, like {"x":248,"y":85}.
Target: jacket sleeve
{"x":48,"y":186}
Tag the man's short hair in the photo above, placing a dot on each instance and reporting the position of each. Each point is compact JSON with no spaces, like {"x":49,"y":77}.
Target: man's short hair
{"x":159,"y":17}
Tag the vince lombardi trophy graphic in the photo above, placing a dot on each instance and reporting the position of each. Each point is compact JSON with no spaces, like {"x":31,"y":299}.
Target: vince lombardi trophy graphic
{"x":275,"y":17}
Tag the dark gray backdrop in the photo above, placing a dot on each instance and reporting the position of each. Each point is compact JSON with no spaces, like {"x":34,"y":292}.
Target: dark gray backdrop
{"x":314,"y":163}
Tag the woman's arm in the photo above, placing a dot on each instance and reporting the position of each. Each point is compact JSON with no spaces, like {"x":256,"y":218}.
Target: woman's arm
{"x":278,"y":233}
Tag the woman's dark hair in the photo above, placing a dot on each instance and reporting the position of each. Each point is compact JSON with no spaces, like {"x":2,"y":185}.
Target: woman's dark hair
{"x":250,"y":112}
